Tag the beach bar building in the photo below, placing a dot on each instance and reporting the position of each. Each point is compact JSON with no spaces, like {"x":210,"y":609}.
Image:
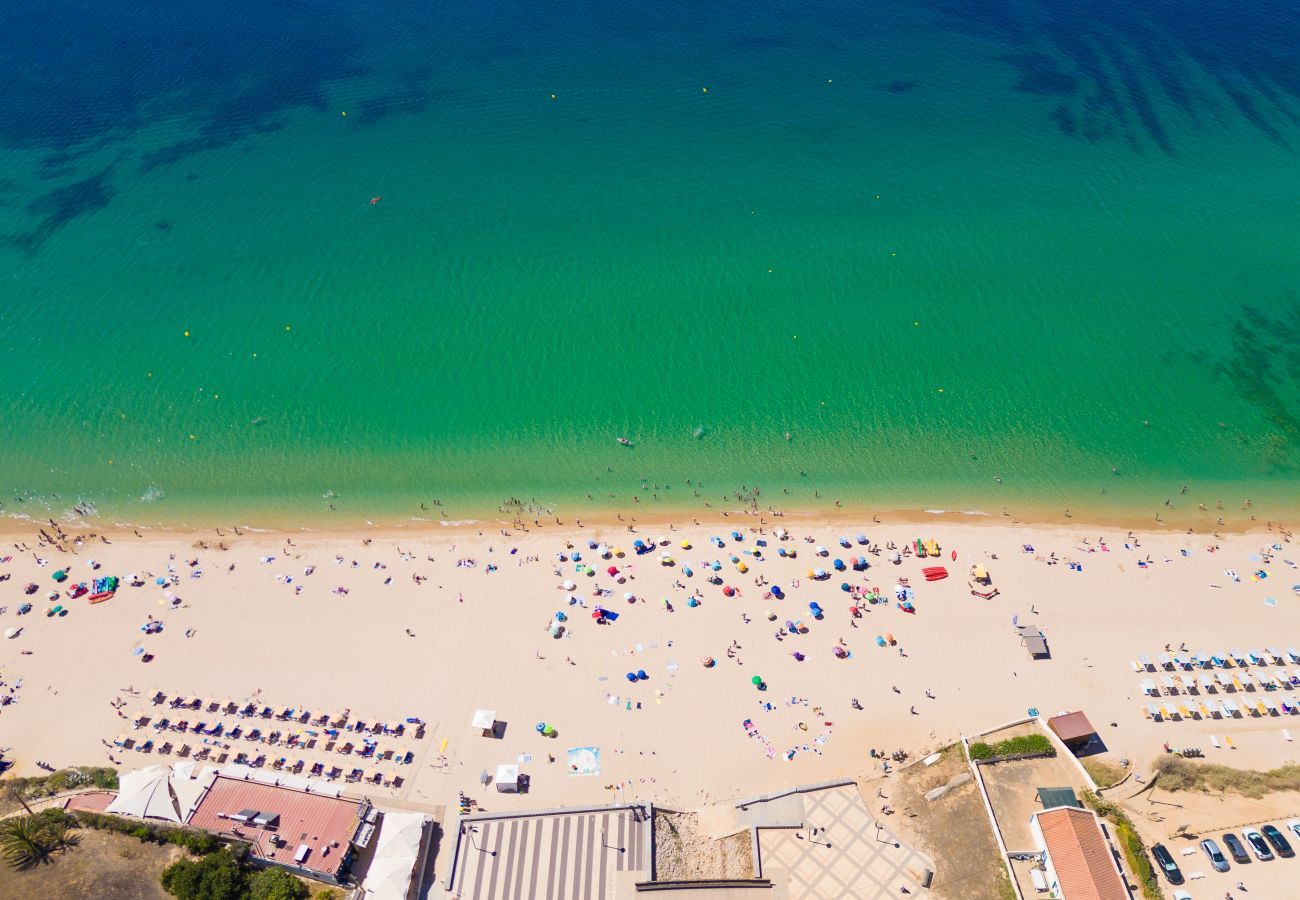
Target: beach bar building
{"x":1077,"y":862}
{"x":1074,"y":730}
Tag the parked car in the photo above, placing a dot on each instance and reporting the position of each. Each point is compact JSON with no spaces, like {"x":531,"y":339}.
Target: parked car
{"x":1294,"y":826}
{"x":1167,"y":865}
{"x":1280,"y":846}
{"x":1182,"y":895}
{"x":1217,"y":859}
{"x":1239,"y":854}
{"x":1256,"y":842}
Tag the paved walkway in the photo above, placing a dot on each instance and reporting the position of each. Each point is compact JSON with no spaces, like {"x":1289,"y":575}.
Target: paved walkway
{"x":840,"y":852}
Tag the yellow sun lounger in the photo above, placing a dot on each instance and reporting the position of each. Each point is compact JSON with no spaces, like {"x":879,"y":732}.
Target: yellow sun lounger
{"x":1227,"y":740}
{"x":1183,"y":711}
{"x":1236,"y":683}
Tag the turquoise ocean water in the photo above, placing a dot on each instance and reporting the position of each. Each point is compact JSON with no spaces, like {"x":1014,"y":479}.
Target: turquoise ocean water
{"x":938,"y":243}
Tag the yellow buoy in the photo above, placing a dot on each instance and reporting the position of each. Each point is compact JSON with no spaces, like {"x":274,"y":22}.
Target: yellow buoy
{"x":287,"y":328}
{"x":706,"y":90}
{"x":345,"y":112}
{"x":552,"y":96}
{"x":187,"y":334}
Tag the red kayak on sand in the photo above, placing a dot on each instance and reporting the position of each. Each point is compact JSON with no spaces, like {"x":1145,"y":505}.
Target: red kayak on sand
{"x":934,"y":573}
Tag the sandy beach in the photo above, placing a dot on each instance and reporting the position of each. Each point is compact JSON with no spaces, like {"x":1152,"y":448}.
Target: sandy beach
{"x":435,"y":625}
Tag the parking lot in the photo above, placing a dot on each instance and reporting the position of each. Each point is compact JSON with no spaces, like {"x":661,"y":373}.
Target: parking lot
{"x":1275,"y":878}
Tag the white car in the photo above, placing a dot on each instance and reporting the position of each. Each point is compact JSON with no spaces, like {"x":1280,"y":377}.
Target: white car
{"x":1182,"y":895}
{"x":1294,"y":827}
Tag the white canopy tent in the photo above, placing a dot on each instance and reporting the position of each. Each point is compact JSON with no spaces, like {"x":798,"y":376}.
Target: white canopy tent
{"x":396,"y":854}
{"x":146,"y":794}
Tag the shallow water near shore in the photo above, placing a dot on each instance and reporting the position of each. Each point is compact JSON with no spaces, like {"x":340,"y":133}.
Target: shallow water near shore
{"x":967,"y":256}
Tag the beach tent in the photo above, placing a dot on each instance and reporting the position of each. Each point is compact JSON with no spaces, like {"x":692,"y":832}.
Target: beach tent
{"x":507,"y":779}
{"x":388,"y":877}
{"x":146,"y":794}
{"x":485,"y":719}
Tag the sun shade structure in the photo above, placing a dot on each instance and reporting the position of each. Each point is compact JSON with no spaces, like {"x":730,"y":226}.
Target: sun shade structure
{"x":396,"y":852}
{"x":485,"y":719}
{"x":147,"y":794}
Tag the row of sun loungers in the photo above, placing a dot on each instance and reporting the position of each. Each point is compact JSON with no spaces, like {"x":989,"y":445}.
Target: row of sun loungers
{"x":341,"y":719}
{"x":1166,"y":662}
{"x":1219,"y":682}
{"x":299,"y":766}
{"x":302,"y":739}
{"x":1209,"y":708}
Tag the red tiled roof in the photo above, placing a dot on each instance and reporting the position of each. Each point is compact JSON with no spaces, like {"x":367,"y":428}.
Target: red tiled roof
{"x":90,"y":801}
{"x":310,"y":819}
{"x":1084,"y":866}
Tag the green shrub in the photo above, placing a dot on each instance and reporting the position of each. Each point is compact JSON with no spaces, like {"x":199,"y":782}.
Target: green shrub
{"x":275,"y":884}
{"x":1016,"y":746}
{"x":216,"y":876}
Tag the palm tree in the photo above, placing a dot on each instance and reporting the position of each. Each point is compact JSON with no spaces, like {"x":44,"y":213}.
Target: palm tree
{"x":26,"y":841}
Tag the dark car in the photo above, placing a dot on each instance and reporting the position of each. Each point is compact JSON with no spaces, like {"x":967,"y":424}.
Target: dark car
{"x":1258,"y":844}
{"x":1217,"y":859}
{"x":1167,"y":864}
{"x":1278,"y":841}
{"x":1239,"y":854}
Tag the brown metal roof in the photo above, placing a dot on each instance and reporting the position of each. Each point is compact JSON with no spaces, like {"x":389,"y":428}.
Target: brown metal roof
{"x":1071,"y":726}
{"x":90,"y":801}
{"x":1084,"y":866}
{"x":312,"y":819}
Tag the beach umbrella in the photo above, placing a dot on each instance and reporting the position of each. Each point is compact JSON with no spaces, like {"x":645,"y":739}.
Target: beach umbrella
{"x":717,"y":541}
{"x":798,"y":657}
{"x":612,"y":570}
{"x":819,"y":573}
{"x":756,"y":680}
{"x":686,"y":545}
{"x":742,"y":568}
{"x":640,"y":673}
{"x":12,"y":632}
{"x":629,"y":596}
{"x":736,"y":536}
{"x":838,"y":565}
{"x":777,"y":591}
{"x":687,"y":572}
{"x":591,"y":545}
{"x":661,"y":541}
{"x":880,"y":642}
{"x":569,"y":585}
{"x":728,"y":590}
{"x":638,"y":543}
{"x":160,"y":581}
{"x":52,"y":595}
{"x":715,"y":566}
{"x":771,"y":616}
{"x":781,"y":534}
{"x":32,"y":587}
{"x":821,"y":551}
{"x":844,"y":542}
{"x":844,"y":586}
{"x":862,"y":538}
{"x":839,"y":651}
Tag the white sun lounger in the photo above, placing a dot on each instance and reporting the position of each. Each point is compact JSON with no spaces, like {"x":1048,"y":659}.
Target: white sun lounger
{"x":1230,"y":707}
{"x":1204,"y":661}
{"x":1286,"y":734}
{"x":1145,"y":661}
{"x":1154,"y":712}
{"x":1168,"y":684}
{"x":1164,"y":660}
{"x":1270,"y":706}
{"x":1149,"y":688}
{"x":1293,"y":655}
{"x":1206,"y":682}
{"x":1215,"y":709}
{"x":1189,"y":683}
{"x":1276,"y":654}
{"x":1214,"y":742}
